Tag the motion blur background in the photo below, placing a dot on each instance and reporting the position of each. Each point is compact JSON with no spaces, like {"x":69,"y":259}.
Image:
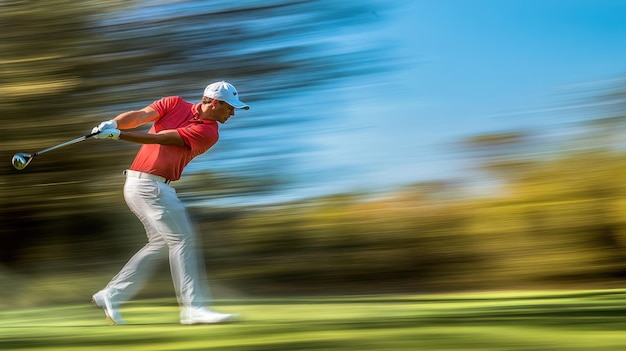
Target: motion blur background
{"x":390,"y":147}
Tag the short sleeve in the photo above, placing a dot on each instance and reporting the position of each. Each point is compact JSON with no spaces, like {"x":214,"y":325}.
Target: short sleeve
{"x":166,"y":104}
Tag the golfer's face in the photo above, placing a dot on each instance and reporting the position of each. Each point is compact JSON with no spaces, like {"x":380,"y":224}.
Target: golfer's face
{"x":223,"y":111}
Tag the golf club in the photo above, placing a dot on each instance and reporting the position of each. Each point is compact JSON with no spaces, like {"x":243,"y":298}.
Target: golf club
{"x":22,"y":159}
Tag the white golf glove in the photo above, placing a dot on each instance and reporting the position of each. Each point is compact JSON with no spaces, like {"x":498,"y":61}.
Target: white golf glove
{"x":108,"y":134}
{"x":110,"y":124}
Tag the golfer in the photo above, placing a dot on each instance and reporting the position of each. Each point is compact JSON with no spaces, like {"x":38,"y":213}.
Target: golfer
{"x":181,"y":131}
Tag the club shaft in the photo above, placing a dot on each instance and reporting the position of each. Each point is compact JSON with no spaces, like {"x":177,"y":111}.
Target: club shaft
{"x":73,"y":141}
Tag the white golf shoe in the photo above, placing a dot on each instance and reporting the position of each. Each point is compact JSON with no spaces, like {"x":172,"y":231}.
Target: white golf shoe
{"x":103,"y":300}
{"x":191,"y":315}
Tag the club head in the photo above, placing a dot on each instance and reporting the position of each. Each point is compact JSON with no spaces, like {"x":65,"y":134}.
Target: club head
{"x":21,"y":160}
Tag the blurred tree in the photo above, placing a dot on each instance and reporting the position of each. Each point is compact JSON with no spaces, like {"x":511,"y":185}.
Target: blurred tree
{"x":560,"y":199}
{"x":38,"y":75}
{"x":501,"y":155}
{"x":66,"y":65}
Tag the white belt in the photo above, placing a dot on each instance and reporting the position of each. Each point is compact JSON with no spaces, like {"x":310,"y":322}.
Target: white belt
{"x":142,"y":175}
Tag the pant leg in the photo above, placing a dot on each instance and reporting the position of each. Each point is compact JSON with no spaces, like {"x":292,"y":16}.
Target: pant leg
{"x":142,"y":265}
{"x":136,"y":271}
{"x":167,"y":225}
{"x":185,"y":255}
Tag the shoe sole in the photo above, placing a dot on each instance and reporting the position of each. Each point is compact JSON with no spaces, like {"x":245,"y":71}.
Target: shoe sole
{"x":229,"y":319}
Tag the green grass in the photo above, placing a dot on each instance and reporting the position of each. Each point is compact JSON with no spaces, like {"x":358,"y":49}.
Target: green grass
{"x":582,"y":320}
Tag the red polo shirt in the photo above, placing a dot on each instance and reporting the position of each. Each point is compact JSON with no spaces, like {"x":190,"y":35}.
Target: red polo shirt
{"x":168,"y":161}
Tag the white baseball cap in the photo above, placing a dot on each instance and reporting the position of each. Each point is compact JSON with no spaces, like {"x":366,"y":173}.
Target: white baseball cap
{"x":225,"y":92}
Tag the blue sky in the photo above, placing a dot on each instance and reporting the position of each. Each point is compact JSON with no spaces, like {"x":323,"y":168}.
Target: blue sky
{"x":469,"y":67}
{"x":465,"y":68}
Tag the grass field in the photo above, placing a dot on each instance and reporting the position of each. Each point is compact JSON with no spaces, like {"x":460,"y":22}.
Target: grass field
{"x":581,"y":320}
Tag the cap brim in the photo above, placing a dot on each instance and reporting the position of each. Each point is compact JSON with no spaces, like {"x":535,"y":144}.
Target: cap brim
{"x":238,"y":104}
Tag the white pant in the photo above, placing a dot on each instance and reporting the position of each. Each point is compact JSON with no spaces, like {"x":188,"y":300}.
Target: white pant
{"x":169,"y":231}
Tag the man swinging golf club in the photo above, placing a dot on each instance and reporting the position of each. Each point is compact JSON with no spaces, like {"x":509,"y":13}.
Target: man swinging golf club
{"x":181,"y":131}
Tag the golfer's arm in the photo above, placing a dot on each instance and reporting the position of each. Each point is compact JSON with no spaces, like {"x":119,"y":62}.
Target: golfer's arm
{"x":132,"y":119}
{"x":164,"y":137}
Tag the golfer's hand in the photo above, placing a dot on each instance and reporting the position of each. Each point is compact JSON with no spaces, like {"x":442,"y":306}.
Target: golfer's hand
{"x":108,"y":134}
{"x":110,"y":124}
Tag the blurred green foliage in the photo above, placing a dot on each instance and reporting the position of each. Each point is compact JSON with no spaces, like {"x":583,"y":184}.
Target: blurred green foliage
{"x":559,"y":225}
